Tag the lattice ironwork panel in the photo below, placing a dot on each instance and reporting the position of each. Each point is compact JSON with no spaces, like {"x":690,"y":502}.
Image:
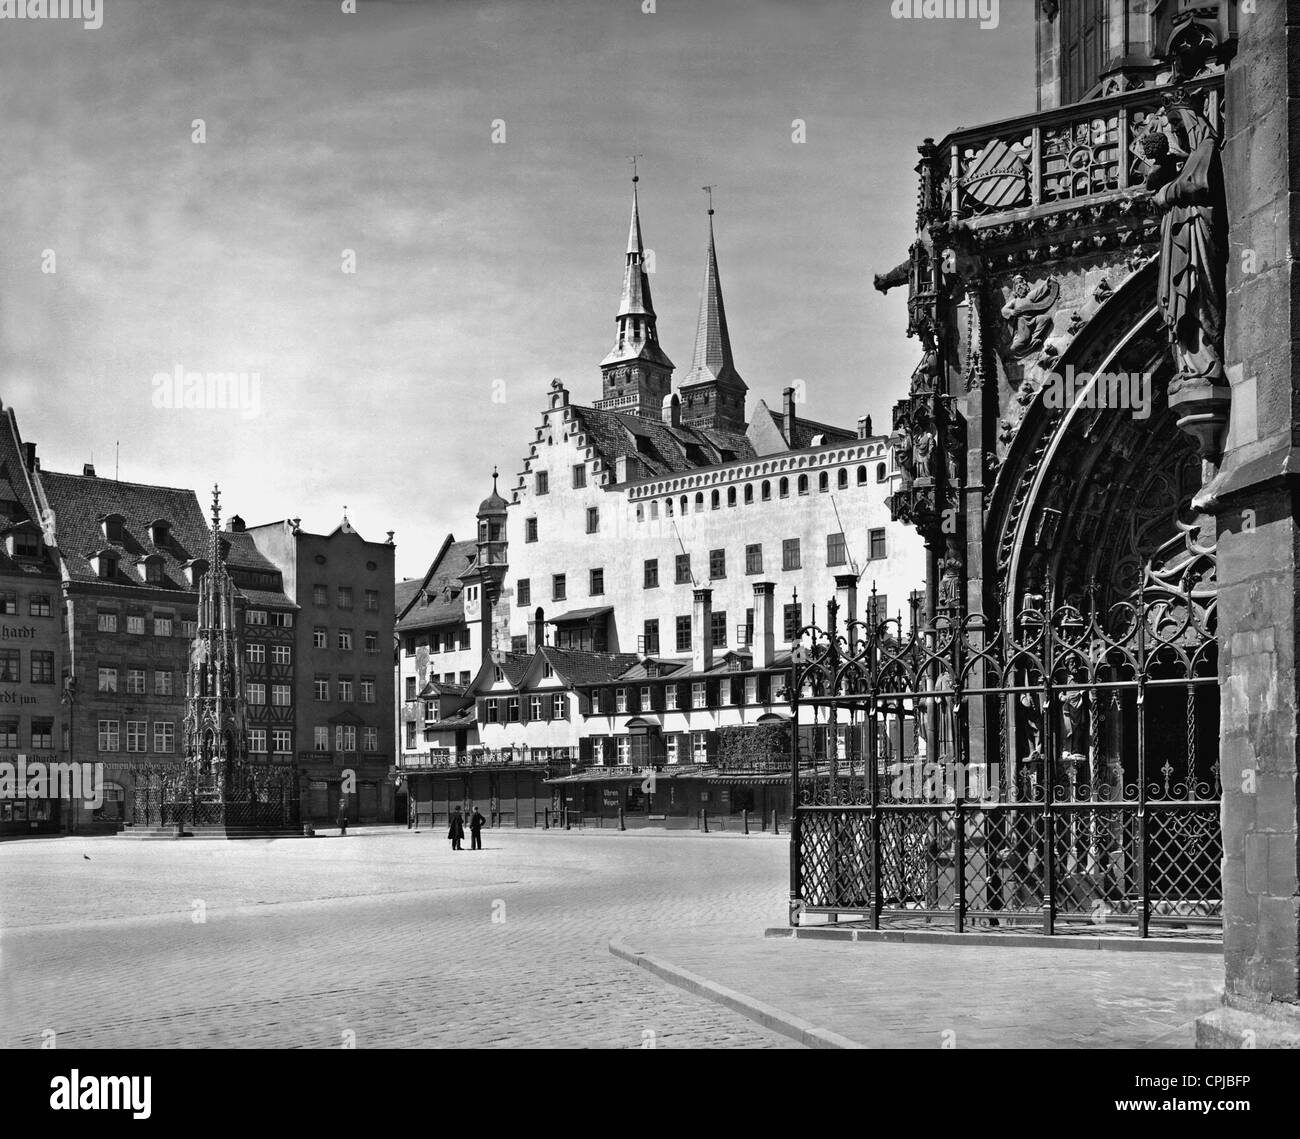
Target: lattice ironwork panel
{"x":1098,"y":861}
{"x":834,"y":849}
{"x":916,"y":859}
{"x":1185,"y":849}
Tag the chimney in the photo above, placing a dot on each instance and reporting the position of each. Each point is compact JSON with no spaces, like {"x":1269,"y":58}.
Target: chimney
{"x":88,"y":470}
{"x":625,"y":468}
{"x":236,"y":524}
{"x":764,"y":638}
{"x":536,"y":632}
{"x":702,"y":631}
{"x":29,"y":450}
{"x":846,"y":598}
{"x":672,"y":411}
{"x":787,"y":416}
{"x":864,"y":427}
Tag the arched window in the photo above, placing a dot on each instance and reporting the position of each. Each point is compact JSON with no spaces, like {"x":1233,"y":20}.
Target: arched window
{"x":862,"y":476}
{"x":842,"y":479}
{"x":699,"y":501}
{"x":749,"y":494}
{"x":686,"y":505}
{"x":803,"y":484}
{"x":824,"y":482}
{"x":783,"y":488}
{"x":881,"y":472}
{"x":715,"y":500}
{"x":668,"y":507}
{"x":767,"y":491}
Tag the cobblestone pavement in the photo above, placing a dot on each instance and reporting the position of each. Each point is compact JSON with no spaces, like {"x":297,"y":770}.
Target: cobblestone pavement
{"x":387,"y":935}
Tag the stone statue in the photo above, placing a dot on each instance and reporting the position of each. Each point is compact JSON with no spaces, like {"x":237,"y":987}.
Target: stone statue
{"x":950,"y":579}
{"x":925,"y":454}
{"x":1029,"y":312}
{"x":1186,"y":182}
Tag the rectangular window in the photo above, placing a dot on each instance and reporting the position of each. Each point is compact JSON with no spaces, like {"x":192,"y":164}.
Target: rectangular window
{"x":700,"y":747}
{"x":650,"y":639}
{"x":793,"y":617}
{"x":108,"y":735}
{"x":650,"y":574}
{"x":281,"y":654}
{"x":751,"y":690}
{"x":493,"y":708}
{"x":345,"y":737}
{"x":257,"y":741}
{"x":345,"y":597}
{"x":876,"y":538}
{"x":684,"y":634}
{"x":790,"y":554}
{"x":282,"y":741}
{"x":280,"y":695}
{"x":836,"y":551}
{"x":38,"y":605}
{"x":372,"y":600}
{"x":699,"y":694}
{"x":189,"y":629}
{"x":255,"y":617}
{"x":410,"y":688}
{"x":42,"y":667}
{"x":670,"y":698}
{"x":372,"y":643}
{"x":530,"y":529}
{"x":8,"y":602}
{"x":557,"y":706}
{"x":164,"y":736}
{"x":370,"y":739}
{"x":683,"y":565}
{"x":512,"y":709}
{"x":135,"y":625}
{"x":718,"y":627}
{"x":9,"y":734}
{"x":717,"y":564}
{"x":367,"y":690}
{"x":877,"y":609}
{"x":320,"y":638}
{"x":345,"y":640}
{"x":579,"y":475}
{"x":410,"y":734}
{"x":754,"y":559}
{"x":558,"y":588}
{"x":345,"y":689}
{"x":534,"y":707}
{"x":597,"y":582}
{"x":257,"y":693}
{"x":107,"y":622}
{"x":42,"y":734}
{"x":593,"y":520}
{"x":624,"y":750}
{"x":620,"y":699}
{"x":107,"y":676}
{"x":321,"y":737}
{"x":162,"y":625}
{"x":523,"y":593}
{"x":320,"y":595}
{"x":256,"y":654}
{"x":137,"y":735}
{"x":321,"y":686}
{"x":543,"y":482}
{"x":135,"y":681}
{"x":281,"y":620}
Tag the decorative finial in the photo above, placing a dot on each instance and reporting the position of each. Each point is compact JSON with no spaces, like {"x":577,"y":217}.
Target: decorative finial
{"x":709,"y":190}
{"x":494,"y":479}
{"x":632,"y":159}
{"x":216,"y":507}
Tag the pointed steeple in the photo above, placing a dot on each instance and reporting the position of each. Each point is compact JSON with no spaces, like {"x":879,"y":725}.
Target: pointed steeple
{"x":636,"y":373}
{"x":713,"y":394}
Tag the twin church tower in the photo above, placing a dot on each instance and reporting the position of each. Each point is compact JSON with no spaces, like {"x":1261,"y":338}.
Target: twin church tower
{"x":637,"y":374}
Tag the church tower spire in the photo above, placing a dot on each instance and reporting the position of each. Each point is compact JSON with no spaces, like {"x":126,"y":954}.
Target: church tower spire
{"x":637,"y":374}
{"x":713,"y":394}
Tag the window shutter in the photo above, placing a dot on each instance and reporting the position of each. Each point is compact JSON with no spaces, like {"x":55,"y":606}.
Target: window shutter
{"x":611,"y":750}
{"x":584,"y":749}
{"x":524,"y":707}
{"x":712,"y":743}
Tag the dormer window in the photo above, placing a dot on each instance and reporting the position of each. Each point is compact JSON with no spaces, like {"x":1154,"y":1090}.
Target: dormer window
{"x":113,"y":527}
{"x":23,"y":543}
{"x":151,"y":568}
{"x":194,"y":571}
{"x":105,"y":564}
{"x":160,"y":532}
{"x":500,"y":676}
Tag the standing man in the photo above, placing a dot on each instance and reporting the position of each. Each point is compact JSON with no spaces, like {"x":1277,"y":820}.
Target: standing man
{"x":456,"y":832}
{"x":343,"y":815}
{"x":476,"y":822}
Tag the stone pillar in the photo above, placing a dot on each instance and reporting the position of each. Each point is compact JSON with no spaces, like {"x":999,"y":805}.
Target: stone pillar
{"x":846,"y":597}
{"x":702,"y":631}
{"x":1254,"y":500}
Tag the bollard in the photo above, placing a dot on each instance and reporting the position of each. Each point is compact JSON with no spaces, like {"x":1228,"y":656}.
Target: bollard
{"x":546,"y":818}
{"x":744,"y":818}
{"x":622,"y":825}
{"x":776,"y":824}
{"x":704,"y":819}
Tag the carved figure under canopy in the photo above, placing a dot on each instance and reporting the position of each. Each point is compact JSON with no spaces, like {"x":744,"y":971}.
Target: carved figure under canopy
{"x":1029,"y":311}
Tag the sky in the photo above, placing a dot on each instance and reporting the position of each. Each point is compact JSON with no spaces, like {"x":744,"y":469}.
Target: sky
{"x":469,"y":160}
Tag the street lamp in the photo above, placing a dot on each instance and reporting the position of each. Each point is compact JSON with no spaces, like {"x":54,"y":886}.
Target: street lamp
{"x":69,"y":697}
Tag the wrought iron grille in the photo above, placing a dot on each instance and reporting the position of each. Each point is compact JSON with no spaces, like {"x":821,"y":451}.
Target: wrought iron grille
{"x":1062,"y":768}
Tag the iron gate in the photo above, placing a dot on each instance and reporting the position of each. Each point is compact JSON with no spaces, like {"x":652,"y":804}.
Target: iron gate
{"x":1061,"y":770}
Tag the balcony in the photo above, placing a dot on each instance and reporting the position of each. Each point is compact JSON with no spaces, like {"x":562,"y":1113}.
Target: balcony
{"x":444,"y":759}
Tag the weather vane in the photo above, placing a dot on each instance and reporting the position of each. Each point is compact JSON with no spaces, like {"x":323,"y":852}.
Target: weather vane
{"x":632,"y":159}
{"x":709,"y":190}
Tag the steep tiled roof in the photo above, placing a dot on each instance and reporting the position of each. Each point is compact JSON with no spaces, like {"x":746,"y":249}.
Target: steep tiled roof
{"x":659,"y":448}
{"x":514,"y":665}
{"x":80,"y":502}
{"x":436,"y":599}
{"x":404,"y":592}
{"x":587,"y":668}
{"x":805,"y":429}
{"x":16,"y":487}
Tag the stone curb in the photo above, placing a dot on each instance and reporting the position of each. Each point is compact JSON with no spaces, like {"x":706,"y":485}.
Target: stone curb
{"x":1007,"y":940}
{"x":806,"y":1033}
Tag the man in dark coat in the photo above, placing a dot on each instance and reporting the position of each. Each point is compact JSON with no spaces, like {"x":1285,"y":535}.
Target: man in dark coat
{"x":457,"y":830}
{"x":476,"y":822}
{"x":343,"y":815}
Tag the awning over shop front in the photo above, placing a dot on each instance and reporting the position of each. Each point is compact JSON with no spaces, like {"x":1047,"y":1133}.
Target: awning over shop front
{"x":574,"y":616}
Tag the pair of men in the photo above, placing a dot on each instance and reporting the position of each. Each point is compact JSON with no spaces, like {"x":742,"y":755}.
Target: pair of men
{"x":456,"y":832}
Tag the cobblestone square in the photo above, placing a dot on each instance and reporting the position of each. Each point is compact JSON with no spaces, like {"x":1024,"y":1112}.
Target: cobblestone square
{"x":384,"y":938}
